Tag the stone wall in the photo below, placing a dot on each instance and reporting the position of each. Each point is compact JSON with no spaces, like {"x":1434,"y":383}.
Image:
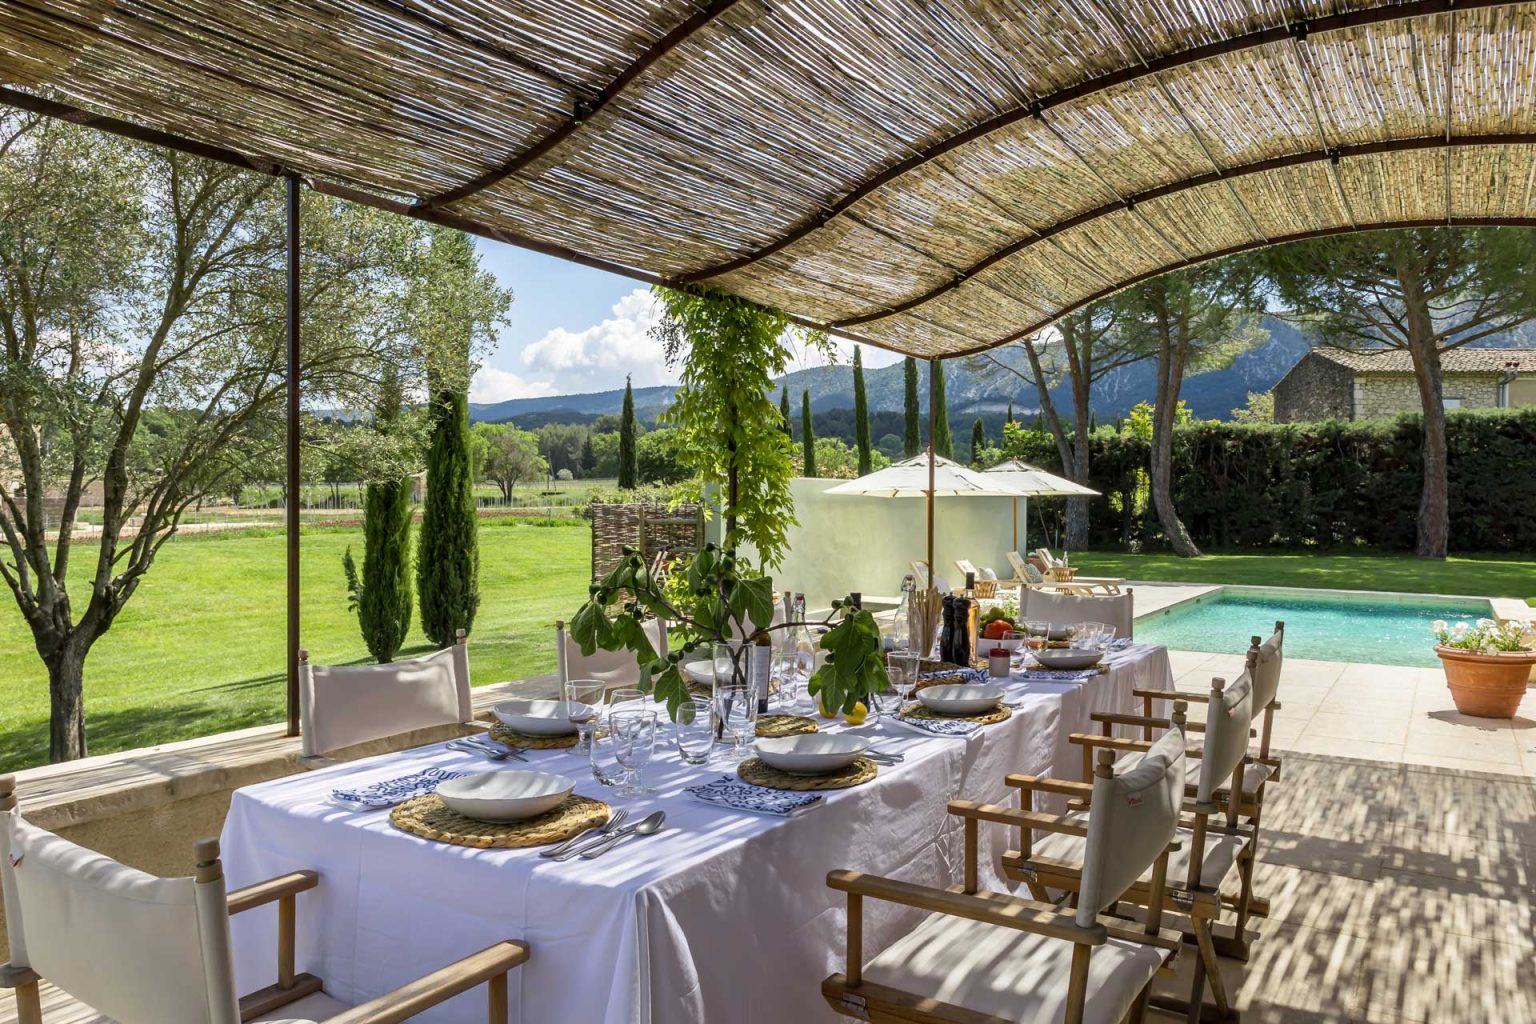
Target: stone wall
{"x":1378,"y":396}
{"x":1315,"y":389}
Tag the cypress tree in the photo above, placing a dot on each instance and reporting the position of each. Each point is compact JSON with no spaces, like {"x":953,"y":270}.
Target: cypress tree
{"x":588,"y":455}
{"x":860,"y":415}
{"x":912,"y":441}
{"x":978,"y":441}
{"x":628,"y":465}
{"x":789,"y":431}
{"x":807,"y":435}
{"x":448,"y":558}
{"x":1010,"y":412}
{"x":943,"y":444}
{"x":382,"y":597}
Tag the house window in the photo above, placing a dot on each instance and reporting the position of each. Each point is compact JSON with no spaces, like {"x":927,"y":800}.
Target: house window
{"x":1452,"y":403}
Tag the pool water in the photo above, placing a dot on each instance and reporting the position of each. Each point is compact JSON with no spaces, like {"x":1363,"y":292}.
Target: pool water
{"x":1380,"y":630}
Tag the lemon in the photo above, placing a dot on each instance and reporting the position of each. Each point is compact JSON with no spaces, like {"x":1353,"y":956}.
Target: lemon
{"x":857,"y":715}
{"x":825,"y":711}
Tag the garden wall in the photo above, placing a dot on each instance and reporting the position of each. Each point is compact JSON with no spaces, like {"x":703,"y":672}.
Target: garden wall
{"x":1333,"y":484}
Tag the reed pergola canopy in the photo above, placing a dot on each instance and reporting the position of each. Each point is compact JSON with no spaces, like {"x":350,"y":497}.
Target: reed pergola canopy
{"x":932,"y":176}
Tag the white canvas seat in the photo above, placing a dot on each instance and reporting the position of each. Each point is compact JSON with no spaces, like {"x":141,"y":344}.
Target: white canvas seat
{"x":988,"y":958}
{"x":613,"y":669}
{"x":1018,"y":976}
{"x":1118,"y":610}
{"x":344,"y":705}
{"x":128,"y":947}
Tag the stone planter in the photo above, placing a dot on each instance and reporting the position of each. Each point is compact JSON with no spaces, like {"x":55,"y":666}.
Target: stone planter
{"x":1486,"y":685}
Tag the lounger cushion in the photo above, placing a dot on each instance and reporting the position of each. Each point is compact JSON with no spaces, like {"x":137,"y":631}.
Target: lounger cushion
{"x":1012,"y":974}
{"x":1221,"y":852}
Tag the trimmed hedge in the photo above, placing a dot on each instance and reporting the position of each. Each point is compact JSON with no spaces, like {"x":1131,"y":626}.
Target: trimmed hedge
{"x":1333,"y":484}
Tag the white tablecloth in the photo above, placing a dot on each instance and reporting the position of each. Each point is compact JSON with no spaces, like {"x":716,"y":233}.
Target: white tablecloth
{"x":724,"y":916}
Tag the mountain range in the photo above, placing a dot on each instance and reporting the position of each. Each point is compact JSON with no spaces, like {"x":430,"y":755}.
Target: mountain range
{"x":973,"y":387}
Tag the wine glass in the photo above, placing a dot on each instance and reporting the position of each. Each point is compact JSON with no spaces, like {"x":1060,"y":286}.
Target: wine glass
{"x":902,"y":667}
{"x":584,"y":706}
{"x":634,"y":740}
{"x":623,"y":696}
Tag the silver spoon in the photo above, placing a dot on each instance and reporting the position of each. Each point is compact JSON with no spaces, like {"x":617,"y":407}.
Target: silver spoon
{"x":649,"y":825}
{"x":591,"y":833}
{"x":614,"y":834}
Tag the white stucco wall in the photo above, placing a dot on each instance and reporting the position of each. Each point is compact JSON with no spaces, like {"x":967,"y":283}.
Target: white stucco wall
{"x":852,"y":542}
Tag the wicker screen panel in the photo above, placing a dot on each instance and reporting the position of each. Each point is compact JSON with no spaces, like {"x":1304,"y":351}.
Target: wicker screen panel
{"x":652,"y":527}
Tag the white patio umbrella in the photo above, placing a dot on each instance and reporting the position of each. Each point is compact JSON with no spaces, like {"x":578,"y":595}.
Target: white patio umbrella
{"x":927,"y":476}
{"x":1027,"y":482}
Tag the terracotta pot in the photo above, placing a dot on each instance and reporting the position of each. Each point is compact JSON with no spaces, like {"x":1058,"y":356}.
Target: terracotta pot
{"x":1486,"y":685}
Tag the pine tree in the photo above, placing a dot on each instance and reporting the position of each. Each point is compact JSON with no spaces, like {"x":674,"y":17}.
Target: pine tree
{"x":943,"y":444}
{"x":628,"y":464}
{"x":784,"y":411}
{"x":861,"y":416}
{"x":978,"y":441}
{"x":382,"y":597}
{"x":807,"y":435}
{"x":912,"y":442}
{"x":448,"y":558}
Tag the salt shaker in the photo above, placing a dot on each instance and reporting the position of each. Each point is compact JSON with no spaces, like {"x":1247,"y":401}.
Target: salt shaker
{"x":998,"y":660}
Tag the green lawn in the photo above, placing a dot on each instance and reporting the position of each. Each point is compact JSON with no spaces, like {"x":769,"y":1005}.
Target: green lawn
{"x":199,"y":648}
{"x":1497,"y":575}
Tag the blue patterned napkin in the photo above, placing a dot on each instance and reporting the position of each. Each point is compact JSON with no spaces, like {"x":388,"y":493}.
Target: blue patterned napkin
{"x":743,"y":796}
{"x":395,"y":791}
{"x":1046,"y":675}
{"x":1119,"y":644}
{"x":969,"y":675}
{"x":941,"y":726}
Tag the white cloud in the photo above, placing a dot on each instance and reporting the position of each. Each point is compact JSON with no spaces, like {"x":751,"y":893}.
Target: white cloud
{"x":496,"y":385}
{"x":599,"y":357}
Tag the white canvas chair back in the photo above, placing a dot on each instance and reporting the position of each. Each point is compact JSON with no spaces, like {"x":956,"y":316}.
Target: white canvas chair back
{"x":1228,"y":718}
{"x":1135,"y":814}
{"x":1118,"y":610}
{"x":611,"y":668}
{"x":133,"y":947}
{"x":347,"y":704}
{"x":967,"y":567}
{"x":1266,"y":669}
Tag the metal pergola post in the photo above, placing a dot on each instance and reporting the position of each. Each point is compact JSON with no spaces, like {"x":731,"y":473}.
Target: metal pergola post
{"x":291,"y":443}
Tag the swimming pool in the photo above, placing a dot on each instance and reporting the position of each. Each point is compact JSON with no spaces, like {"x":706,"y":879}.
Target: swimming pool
{"x":1380,"y":629}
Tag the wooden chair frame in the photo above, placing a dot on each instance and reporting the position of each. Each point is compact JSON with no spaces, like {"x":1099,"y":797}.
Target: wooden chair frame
{"x":1203,"y":905}
{"x":850,"y":995}
{"x":489,"y":966}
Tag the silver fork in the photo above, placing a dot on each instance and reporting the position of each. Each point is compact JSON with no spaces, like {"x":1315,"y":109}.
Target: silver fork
{"x":591,"y":833}
{"x":494,"y":746}
{"x":475,"y":748}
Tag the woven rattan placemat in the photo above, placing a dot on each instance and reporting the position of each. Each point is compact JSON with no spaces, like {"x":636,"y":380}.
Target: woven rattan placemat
{"x":428,"y":817}
{"x":784,"y":725}
{"x":1001,"y":713}
{"x":758,"y":772}
{"x":513,"y":738}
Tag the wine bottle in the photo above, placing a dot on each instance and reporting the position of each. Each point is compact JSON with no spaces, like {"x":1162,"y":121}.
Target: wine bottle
{"x":762,"y":669}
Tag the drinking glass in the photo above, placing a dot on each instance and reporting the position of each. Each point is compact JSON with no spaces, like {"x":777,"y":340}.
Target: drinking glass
{"x":786,"y":675}
{"x":584,"y":705}
{"x":735,"y":705}
{"x":603,"y":756}
{"x":626,"y":695}
{"x":1038,"y":630}
{"x":633,"y":734}
{"x":1085,"y":635}
{"x":693,"y":731}
{"x":903,"y":667}
{"x":1106,"y":635}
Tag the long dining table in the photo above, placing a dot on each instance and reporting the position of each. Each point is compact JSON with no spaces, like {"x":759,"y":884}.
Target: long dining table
{"x":724,"y":915}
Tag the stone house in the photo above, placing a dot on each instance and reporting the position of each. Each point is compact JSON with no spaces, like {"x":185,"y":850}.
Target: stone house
{"x":1335,"y":383}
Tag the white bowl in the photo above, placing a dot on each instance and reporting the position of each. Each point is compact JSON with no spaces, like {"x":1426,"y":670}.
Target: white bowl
{"x":703,"y":672}
{"x":815,"y":753}
{"x":505,"y":796}
{"x":537,"y":717}
{"x":961,"y":698}
{"x":1069,"y":658}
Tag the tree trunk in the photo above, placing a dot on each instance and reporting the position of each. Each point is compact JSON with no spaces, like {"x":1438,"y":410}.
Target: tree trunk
{"x":1077,"y":508}
{"x":1434,"y":499}
{"x":1170,"y":378}
{"x":66,"y":696}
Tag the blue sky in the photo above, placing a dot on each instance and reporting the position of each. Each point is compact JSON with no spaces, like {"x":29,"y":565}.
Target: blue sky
{"x":573,"y":330}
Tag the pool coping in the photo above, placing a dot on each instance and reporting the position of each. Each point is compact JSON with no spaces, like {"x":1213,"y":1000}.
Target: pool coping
{"x":1391,"y":596}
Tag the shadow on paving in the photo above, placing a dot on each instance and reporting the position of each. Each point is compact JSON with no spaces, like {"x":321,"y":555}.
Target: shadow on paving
{"x":1398,"y":894}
